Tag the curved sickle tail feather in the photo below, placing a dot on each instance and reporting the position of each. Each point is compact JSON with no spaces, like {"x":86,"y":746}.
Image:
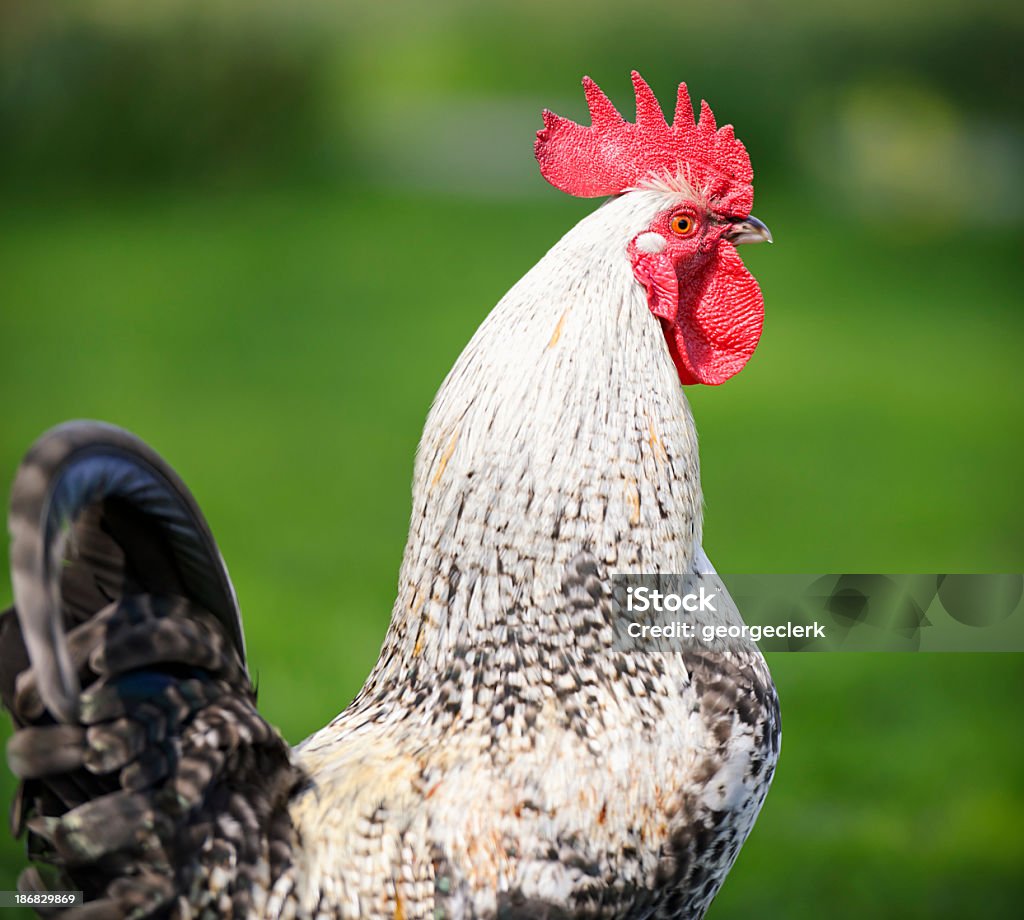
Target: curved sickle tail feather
{"x":123,"y":666}
{"x":129,"y":523}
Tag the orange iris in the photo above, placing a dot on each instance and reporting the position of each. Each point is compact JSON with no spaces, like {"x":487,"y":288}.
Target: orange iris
{"x":682,"y":224}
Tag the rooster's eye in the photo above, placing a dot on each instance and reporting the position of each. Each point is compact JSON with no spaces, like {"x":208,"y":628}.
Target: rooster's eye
{"x":682,"y":224}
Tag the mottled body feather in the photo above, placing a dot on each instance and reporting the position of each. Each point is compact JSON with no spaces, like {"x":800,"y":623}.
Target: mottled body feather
{"x":549,"y":773}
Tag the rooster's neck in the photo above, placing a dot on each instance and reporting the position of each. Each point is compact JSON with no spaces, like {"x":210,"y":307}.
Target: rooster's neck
{"x":562,"y":429}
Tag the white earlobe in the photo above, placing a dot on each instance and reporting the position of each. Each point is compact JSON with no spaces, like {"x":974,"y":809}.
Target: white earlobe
{"x":651,"y":243}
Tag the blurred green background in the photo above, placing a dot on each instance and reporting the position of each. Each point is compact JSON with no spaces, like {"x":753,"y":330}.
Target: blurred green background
{"x":259,"y":234}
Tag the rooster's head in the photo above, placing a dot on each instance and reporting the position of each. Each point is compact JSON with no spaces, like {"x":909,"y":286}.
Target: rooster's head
{"x":709,"y":305}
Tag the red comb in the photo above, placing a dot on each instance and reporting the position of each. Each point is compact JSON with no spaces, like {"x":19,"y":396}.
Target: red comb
{"x":613,"y":155}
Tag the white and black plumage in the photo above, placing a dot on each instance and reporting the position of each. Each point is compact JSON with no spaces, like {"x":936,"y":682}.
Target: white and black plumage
{"x":504,"y":758}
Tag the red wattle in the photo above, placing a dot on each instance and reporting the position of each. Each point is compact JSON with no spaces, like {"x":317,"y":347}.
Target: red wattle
{"x":719,"y":321}
{"x":712,"y":319}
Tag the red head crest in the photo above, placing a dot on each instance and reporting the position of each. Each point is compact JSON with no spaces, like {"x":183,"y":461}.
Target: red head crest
{"x":612,"y":155}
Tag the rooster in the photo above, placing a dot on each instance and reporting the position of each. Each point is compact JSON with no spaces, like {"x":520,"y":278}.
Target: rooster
{"x":505,"y":757}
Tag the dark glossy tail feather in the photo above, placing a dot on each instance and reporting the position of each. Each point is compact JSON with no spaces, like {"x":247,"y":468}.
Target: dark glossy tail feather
{"x":138,"y":724}
{"x":96,"y":515}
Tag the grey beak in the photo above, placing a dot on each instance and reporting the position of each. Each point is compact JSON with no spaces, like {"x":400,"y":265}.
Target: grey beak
{"x":750,"y":230}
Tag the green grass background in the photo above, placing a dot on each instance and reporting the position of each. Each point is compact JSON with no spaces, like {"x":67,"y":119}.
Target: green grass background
{"x":279,"y":337}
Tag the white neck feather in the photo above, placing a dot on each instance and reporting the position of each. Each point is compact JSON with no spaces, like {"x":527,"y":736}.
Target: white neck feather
{"x":561,"y":428}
